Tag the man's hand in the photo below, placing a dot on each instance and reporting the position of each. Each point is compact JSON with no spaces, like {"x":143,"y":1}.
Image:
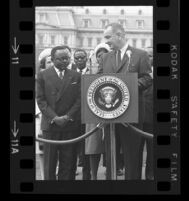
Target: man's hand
{"x":61,"y":121}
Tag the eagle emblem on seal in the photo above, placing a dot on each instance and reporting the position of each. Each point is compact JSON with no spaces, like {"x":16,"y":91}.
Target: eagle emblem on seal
{"x":108,"y":97}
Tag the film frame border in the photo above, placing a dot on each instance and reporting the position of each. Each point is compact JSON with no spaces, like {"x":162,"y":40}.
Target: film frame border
{"x":166,"y":96}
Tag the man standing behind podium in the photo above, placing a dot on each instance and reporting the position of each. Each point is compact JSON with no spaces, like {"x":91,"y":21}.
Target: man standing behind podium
{"x":80,"y":59}
{"x":123,"y":59}
{"x":58,"y":98}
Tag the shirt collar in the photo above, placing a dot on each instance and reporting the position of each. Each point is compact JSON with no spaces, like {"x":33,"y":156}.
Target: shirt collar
{"x":124,"y":48}
{"x":58,"y":71}
{"x":83,"y":70}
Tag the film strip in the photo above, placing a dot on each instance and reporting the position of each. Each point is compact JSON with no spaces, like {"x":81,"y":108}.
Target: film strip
{"x":166,"y":106}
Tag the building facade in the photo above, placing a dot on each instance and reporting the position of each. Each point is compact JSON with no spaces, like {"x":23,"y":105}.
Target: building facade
{"x":82,"y":27}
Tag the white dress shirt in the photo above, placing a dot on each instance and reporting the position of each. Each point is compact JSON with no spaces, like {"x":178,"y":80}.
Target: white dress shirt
{"x":58,"y":71}
{"x":123,"y":50}
{"x":83,"y":70}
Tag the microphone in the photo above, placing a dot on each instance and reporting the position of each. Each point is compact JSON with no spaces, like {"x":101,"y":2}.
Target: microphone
{"x":91,"y":54}
{"x":90,"y":60}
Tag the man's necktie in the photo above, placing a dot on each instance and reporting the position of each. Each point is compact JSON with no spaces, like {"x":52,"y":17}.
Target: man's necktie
{"x":118,"y":58}
{"x":81,"y":71}
{"x":61,"y":75}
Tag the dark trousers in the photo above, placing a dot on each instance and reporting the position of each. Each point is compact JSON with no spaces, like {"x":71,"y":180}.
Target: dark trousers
{"x":119,"y":155}
{"x":64,"y":155}
{"x":85,"y":160}
{"x":86,"y":167}
{"x":149,"y":171}
{"x":131,"y":144}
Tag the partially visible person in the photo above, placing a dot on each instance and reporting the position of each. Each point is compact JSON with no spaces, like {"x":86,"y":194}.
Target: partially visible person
{"x":100,"y":50}
{"x":148,"y":123}
{"x":44,"y":63}
{"x":80,"y":60}
{"x":94,"y":144}
{"x":60,"y":114}
{"x":45,"y":59}
{"x":150,"y":54}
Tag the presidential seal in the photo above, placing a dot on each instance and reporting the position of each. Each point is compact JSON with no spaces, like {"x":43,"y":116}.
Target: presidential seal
{"x":108,"y":97}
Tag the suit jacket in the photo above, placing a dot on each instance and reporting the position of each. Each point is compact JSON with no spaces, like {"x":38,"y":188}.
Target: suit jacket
{"x":148,"y":105}
{"x":139,"y":62}
{"x":94,"y":143}
{"x":74,"y":68}
{"x":56,"y":97}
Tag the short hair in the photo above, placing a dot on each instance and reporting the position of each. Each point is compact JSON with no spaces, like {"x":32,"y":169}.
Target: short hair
{"x":80,"y":50}
{"x":115,"y":27}
{"x":63,"y":47}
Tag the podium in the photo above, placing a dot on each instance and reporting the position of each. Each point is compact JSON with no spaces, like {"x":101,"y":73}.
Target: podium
{"x":110,"y":98}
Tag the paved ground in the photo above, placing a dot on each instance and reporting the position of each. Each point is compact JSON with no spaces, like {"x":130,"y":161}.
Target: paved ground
{"x":101,"y":170}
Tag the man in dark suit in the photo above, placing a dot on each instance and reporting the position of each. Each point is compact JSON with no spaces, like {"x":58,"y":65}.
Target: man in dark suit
{"x":80,"y":59}
{"x":122,"y":59}
{"x":60,"y":114}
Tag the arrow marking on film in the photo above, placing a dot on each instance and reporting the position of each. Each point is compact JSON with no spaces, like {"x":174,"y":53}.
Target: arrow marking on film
{"x":15,"y":131}
{"x":15,"y":47}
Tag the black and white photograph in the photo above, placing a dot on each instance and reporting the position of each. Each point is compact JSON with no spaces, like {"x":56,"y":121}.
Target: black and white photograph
{"x":94,"y":93}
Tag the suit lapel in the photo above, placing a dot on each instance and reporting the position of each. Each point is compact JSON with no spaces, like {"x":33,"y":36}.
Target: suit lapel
{"x":113,"y":61}
{"x":87,"y":71}
{"x":54,"y":78}
{"x":65,"y":83}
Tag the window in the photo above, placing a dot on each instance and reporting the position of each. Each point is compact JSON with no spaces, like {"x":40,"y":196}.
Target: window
{"x":40,"y":37}
{"x":89,"y":42}
{"x":98,"y":41}
{"x":52,"y":40}
{"x":140,"y":12}
{"x":86,"y":23}
{"x":122,"y":22}
{"x":37,"y":18}
{"x":140,"y":24}
{"x":43,"y":17}
{"x":134,"y":42}
{"x":122,"y":12}
{"x":143,"y":43}
{"x":65,"y":40}
{"x":104,"y":11}
{"x":104,"y":23}
{"x":81,"y":42}
{"x":87,"y":11}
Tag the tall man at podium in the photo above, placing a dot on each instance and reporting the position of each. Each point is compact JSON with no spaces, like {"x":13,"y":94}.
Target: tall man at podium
{"x":122,"y":59}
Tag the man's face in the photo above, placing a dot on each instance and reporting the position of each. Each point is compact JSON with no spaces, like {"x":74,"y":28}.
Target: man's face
{"x":111,"y":38}
{"x":99,"y":55}
{"x":80,"y":59}
{"x":61,"y":59}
